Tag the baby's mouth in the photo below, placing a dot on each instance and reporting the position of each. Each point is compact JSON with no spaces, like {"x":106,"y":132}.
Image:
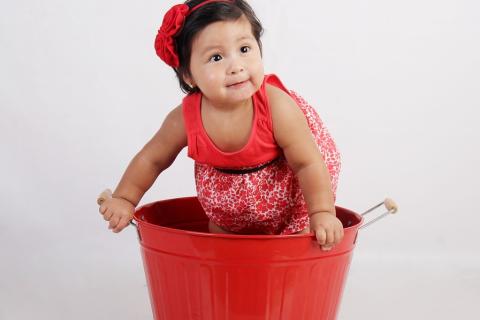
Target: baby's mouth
{"x":237,"y":84}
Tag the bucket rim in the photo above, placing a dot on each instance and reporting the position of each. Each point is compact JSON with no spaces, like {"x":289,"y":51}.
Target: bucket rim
{"x":142,"y":223}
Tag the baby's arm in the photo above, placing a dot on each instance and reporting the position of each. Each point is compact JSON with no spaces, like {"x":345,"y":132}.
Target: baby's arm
{"x":157,"y":155}
{"x":303,"y":155}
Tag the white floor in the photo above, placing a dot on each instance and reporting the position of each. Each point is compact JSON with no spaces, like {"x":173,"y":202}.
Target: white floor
{"x":412,"y":288}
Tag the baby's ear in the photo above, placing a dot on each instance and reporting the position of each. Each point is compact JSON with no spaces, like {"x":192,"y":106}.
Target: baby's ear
{"x":188,"y":80}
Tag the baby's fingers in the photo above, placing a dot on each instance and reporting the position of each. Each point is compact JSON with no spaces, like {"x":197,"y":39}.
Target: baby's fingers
{"x":122,"y":224}
{"x":321,"y":235}
{"x":107,"y":215}
{"x":330,"y":237}
{"x":327,"y":247}
{"x":113,"y":222}
{"x":102,"y":208}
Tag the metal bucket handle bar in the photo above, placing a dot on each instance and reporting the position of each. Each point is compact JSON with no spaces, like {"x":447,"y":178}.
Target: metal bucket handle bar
{"x":391,"y":207}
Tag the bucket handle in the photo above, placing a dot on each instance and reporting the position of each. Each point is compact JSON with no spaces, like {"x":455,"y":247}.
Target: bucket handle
{"x":391,"y":207}
{"x":106,"y":194}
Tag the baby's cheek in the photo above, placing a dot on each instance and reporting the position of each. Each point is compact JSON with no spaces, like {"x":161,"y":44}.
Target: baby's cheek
{"x":259,"y":74}
{"x":212,"y":78}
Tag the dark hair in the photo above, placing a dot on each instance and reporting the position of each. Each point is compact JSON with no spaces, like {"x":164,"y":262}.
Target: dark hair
{"x":202,"y":17}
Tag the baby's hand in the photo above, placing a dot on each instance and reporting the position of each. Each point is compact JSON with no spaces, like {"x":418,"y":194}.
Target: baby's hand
{"x":118,"y":212}
{"x":327,"y":228}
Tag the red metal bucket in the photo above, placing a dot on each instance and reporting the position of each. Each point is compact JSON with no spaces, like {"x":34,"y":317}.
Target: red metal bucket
{"x":193,"y":274}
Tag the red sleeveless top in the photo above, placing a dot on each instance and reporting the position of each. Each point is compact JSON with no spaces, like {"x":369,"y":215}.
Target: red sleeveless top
{"x":261,"y":146}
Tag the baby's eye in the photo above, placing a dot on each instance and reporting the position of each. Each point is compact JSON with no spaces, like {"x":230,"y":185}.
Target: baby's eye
{"x":245,"y":49}
{"x":215,"y":58}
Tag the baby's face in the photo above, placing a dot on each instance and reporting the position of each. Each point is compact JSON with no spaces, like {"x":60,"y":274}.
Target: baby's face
{"x":226,"y":63}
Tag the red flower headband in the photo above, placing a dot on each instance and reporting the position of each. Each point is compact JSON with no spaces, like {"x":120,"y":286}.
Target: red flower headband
{"x":172,"y":24}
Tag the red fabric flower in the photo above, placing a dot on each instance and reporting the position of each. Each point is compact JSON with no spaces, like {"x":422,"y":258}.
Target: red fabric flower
{"x":171,"y":25}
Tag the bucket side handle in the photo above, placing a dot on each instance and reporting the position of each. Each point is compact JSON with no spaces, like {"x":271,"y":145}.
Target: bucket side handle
{"x":389,"y":204}
{"x":106,"y":194}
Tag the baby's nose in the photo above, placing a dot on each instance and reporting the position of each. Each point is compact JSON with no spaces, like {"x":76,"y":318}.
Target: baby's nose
{"x":236,"y":67}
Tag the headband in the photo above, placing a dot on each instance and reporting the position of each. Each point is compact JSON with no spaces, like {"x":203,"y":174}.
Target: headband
{"x":172,"y":24}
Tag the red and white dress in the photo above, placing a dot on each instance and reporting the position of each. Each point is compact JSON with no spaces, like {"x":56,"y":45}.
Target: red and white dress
{"x":253,"y":190}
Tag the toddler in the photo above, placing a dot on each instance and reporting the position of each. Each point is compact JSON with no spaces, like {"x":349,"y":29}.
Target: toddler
{"x":264,"y":163}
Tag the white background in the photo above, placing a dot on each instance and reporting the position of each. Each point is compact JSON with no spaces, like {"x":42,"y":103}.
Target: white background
{"x":81,"y":91}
